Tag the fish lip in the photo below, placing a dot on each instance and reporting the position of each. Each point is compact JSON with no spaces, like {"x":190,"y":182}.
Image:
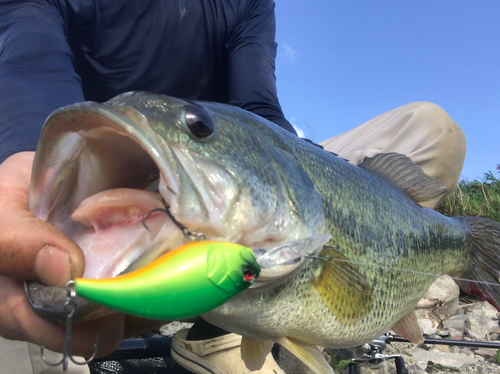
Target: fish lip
{"x":74,"y":119}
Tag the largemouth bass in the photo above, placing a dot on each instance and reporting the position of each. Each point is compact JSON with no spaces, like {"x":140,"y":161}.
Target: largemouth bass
{"x":236,"y":177}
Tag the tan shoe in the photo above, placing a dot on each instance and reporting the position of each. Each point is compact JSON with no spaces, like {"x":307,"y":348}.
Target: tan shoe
{"x":219,"y":355}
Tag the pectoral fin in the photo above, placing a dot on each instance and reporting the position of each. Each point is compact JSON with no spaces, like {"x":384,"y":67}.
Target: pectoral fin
{"x":254,"y":352}
{"x":343,"y":289}
{"x":409,"y":329}
{"x":309,"y":354}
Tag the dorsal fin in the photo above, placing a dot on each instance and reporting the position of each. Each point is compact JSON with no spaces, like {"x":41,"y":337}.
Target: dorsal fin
{"x":401,"y":171}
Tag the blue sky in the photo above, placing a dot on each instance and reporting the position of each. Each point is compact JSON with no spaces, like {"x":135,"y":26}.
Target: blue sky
{"x":341,"y":63}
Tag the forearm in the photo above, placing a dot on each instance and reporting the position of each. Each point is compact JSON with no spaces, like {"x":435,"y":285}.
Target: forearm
{"x":251,"y":64}
{"x":36,"y":72}
{"x":25,"y":103}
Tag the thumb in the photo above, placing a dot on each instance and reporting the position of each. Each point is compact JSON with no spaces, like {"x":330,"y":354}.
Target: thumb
{"x":34,"y":249}
{"x":29,"y":247}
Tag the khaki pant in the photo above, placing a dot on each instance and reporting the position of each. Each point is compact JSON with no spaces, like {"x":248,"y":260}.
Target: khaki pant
{"x":422,"y":131}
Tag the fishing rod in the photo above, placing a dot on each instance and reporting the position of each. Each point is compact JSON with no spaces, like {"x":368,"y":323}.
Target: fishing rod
{"x":372,"y":351}
{"x":441,"y":341}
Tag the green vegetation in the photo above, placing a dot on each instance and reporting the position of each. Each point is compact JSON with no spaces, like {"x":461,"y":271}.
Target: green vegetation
{"x":476,"y":198}
{"x":337,"y":365}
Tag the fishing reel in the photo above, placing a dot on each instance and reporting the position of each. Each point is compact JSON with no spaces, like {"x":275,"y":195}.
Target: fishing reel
{"x":372,"y":353}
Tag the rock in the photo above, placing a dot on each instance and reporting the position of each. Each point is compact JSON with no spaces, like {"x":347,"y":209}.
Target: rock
{"x":455,"y":334}
{"x":415,"y":369}
{"x":449,"y":360}
{"x":482,"y":308}
{"x":427,"y":326}
{"x":466,"y":351}
{"x":440,"y":348}
{"x":173,"y":327}
{"x":488,"y":353}
{"x":433,"y":367}
{"x":440,"y":300}
{"x":425,"y":347}
{"x":421,"y":313}
{"x":455,"y":349}
{"x":456,"y":323}
{"x":484,"y":367}
{"x":443,"y":334}
{"x":480,"y":327}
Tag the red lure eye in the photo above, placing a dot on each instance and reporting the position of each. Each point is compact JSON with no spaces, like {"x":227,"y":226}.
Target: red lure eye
{"x":248,"y":273}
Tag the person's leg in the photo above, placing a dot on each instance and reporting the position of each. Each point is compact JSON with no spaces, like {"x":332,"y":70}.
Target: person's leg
{"x":207,"y":349}
{"x":422,"y":131}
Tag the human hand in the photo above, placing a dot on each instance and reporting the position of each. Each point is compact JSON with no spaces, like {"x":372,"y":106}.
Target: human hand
{"x":34,"y":249}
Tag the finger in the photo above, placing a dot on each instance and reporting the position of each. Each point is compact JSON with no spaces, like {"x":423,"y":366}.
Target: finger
{"x":18,"y":322}
{"x":34,"y":249}
{"x":31,"y":248}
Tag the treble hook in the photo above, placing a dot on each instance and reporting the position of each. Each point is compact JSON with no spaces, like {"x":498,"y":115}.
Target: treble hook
{"x":69,"y":309}
{"x":191,"y":235}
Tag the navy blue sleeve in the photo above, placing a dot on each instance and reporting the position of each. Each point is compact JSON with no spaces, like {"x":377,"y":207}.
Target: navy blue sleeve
{"x":251,"y":64}
{"x":36,"y":72}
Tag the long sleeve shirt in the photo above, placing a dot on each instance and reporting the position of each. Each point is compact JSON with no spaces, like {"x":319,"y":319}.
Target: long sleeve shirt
{"x":58,"y":52}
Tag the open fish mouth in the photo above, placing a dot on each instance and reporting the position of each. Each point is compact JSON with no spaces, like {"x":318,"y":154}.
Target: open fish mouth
{"x":98,"y":171}
{"x":101,"y":169}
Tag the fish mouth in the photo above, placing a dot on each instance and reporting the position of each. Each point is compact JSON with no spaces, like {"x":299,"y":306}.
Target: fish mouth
{"x":98,"y":171}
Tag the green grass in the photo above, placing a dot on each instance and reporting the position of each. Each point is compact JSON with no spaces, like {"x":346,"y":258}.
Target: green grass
{"x":475,"y":198}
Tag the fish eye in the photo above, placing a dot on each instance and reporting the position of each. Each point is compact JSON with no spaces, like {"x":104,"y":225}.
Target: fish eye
{"x":198,"y":121}
{"x":248,"y":273}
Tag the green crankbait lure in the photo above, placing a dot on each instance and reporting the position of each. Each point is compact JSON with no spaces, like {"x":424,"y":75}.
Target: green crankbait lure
{"x":183,"y":283}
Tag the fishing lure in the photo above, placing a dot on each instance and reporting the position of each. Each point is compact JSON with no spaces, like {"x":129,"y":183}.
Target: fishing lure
{"x":183,"y":283}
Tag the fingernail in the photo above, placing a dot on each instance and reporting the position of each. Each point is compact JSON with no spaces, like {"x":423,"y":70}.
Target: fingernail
{"x":52,"y":266}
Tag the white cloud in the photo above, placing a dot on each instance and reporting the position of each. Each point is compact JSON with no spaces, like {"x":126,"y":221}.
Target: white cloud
{"x":288,"y":52}
{"x":299,"y":131}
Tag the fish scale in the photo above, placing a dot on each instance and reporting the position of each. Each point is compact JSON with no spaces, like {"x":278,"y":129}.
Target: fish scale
{"x":385,"y":250}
